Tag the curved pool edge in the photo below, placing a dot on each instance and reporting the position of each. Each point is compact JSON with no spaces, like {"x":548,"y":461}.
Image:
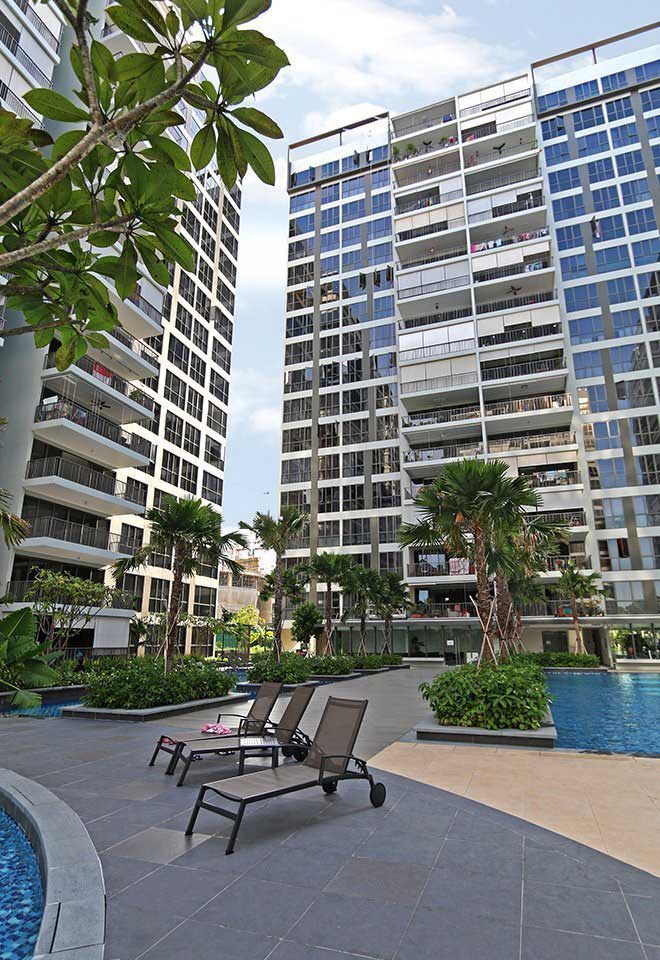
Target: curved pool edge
{"x":74,"y":890}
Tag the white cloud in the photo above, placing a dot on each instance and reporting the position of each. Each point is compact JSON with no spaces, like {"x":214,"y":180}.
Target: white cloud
{"x":377,"y":49}
{"x":331,"y":120}
{"x":255,"y":404}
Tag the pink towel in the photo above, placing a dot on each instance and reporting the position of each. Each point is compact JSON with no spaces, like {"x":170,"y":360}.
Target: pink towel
{"x":216,"y":728}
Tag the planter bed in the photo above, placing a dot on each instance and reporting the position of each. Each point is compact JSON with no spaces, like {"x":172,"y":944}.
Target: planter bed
{"x":576,"y":669}
{"x":49,"y":695}
{"x":399,"y":666}
{"x":334,"y":678}
{"x":152,"y":713}
{"x":544,"y":737}
{"x":366,"y":671}
{"x":246,"y":686}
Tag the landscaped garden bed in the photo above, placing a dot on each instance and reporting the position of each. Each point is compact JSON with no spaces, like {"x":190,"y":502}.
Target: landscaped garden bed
{"x":295,"y":669}
{"x":559,"y":661}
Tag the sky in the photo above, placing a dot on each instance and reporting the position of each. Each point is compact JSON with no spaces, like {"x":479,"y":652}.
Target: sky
{"x":351,"y":59}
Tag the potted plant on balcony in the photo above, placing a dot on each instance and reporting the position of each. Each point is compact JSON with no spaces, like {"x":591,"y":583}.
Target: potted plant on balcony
{"x":410,"y":150}
{"x":396,"y":153}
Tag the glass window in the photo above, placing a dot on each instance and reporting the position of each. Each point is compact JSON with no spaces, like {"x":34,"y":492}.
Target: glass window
{"x":383,"y":307}
{"x":618,"y":109}
{"x":628,"y":358}
{"x":587,"y":364}
{"x":353,"y":210}
{"x":628,"y":163}
{"x":651,"y":99}
{"x":583,"y":91}
{"x":612,"y":258}
{"x":589,"y":117}
{"x":568,"y":237}
{"x":552,"y":100}
{"x":573,"y":267}
{"x":565,"y":208}
{"x":641,"y":221}
{"x":605,"y":198}
{"x":380,"y":202}
{"x":593,"y":143}
{"x":556,"y":153}
{"x":615,"y":81}
{"x":646,"y":251}
{"x":627,"y":323}
{"x":621,"y":289}
{"x":351,"y":235}
{"x":584,"y":297}
{"x":624,"y":135}
{"x":602,"y":169}
{"x":635,"y":191}
{"x":330,"y":169}
{"x":330,"y":193}
{"x":607,"y":228}
{"x":552,"y":128}
{"x":567,"y":179}
{"x":329,"y":241}
{"x":586,"y":329}
{"x":301,"y":201}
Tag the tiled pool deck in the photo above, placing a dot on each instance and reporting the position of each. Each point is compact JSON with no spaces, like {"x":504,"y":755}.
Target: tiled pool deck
{"x":430,"y":875}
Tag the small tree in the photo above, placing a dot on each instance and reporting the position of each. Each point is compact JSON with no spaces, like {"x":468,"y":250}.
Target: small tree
{"x":328,"y":568}
{"x":359,"y":588}
{"x":246,"y":626}
{"x":579,"y":589}
{"x":277,"y":534}
{"x":65,"y":605}
{"x":389,"y":596}
{"x":23,"y":662}
{"x":307,"y":623}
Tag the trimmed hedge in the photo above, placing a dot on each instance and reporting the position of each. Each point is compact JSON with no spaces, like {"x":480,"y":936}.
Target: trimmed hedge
{"x":509,"y":696}
{"x":557,"y":659}
{"x":336,"y":666}
{"x":292,"y":668}
{"x":136,"y":683}
{"x":375,"y":661}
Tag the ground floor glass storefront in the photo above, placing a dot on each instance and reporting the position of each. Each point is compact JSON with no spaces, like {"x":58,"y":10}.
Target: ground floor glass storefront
{"x":636,"y":641}
{"x":457,"y":644}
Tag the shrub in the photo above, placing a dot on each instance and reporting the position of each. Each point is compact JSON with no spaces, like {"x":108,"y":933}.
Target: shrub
{"x":557,"y":659}
{"x":375,"y":661}
{"x":336,"y":666}
{"x":391,"y":659}
{"x":292,"y":668}
{"x":493,"y":697}
{"x":136,"y":683}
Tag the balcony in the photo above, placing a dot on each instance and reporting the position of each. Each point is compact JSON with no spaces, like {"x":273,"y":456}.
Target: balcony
{"x":507,"y":209}
{"x":505,"y":408}
{"x":450,"y":415}
{"x":452,"y":283}
{"x":410,"y":323}
{"x":570,"y":518}
{"x":514,"y":445}
{"x":433,"y":258}
{"x":93,"y":384}
{"x":512,"y":303}
{"x":76,"y":485}
{"x":67,"y":542}
{"x":452,"y":451}
{"x":437,"y":350}
{"x":44,"y":32}
{"x":518,"y":336}
{"x":122,"y":600}
{"x":137,"y":315}
{"x":424,"y":122}
{"x":407,"y":176}
{"x":543,"y":479}
{"x":127,"y":356}
{"x":477,"y":159}
{"x":439,"y":383}
{"x":483,"y":186}
{"x":11,"y":43}
{"x":511,"y":270}
{"x":16,"y":105}
{"x":430,"y":229}
{"x":506,"y":239}
{"x":329,"y":540}
{"x":434,"y":199}
{"x":77,"y":430}
{"x":557,"y":564}
{"x":497,"y":102}
{"x":529,"y":369}
{"x":491,"y":128}
{"x":453,"y":568}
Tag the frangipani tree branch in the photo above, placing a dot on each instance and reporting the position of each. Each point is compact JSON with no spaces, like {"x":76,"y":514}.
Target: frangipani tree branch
{"x":60,"y":240}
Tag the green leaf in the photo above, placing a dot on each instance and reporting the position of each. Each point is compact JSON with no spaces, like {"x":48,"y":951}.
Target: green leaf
{"x":134,"y":65}
{"x":43,"y":337}
{"x":168,"y":179}
{"x":127,"y":275}
{"x":225,"y":156}
{"x":176,"y":248}
{"x":54,"y":106}
{"x":240,"y":11}
{"x":203,"y":146}
{"x":69,"y":352}
{"x":150,"y":12}
{"x":76,"y":63}
{"x":157,"y":269}
{"x":25,"y":700}
{"x":20,"y":623}
{"x":173,"y":23}
{"x":103,"y":61}
{"x":257,"y":156}
{"x":132,"y":24}
{"x":258,"y":121}
{"x":96,"y":340}
{"x":176,"y":154}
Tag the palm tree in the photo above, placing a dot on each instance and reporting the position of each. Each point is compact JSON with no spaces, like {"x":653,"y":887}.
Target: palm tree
{"x":328,"y":568}
{"x":277,"y":535}
{"x":359,"y":590}
{"x":191,"y":532}
{"x":390,"y":596}
{"x":577,"y":587}
{"x":524,"y":588}
{"x":461,"y":511}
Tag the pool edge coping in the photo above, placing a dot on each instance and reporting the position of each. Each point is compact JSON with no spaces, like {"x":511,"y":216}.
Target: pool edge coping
{"x":73,"y":917}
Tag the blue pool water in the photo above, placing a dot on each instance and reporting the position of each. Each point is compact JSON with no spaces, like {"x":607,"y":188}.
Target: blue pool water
{"x":45,"y":710}
{"x":21,"y":895}
{"x":610,"y":712}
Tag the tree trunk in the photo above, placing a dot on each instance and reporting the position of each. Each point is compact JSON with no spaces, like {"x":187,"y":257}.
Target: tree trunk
{"x":483,"y":592}
{"x":277,"y":610}
{"x":363,"y":636}
{"x":387,"y":633}
{"x":504,"y":615}
{"x":174,"y":609}
{"x":329,"y":626}
{"x":579,"y":642}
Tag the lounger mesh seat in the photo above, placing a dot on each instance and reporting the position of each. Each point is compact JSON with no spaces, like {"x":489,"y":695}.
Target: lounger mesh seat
{"x":286,"y":732}
{"x":327,"y":762}
{"x":252,"y":724}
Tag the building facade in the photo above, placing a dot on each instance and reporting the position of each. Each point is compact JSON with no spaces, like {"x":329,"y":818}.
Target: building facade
{"x":523,"y":232}
{"x":88,"y":451}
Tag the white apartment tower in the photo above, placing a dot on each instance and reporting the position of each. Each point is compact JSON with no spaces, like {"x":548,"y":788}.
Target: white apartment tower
{"x":89,"y":450}
{"x":451,"y":291}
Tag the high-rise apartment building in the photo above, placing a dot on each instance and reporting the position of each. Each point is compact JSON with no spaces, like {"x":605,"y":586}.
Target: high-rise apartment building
{"x":89,"y":450}
{"x":490,"y":259}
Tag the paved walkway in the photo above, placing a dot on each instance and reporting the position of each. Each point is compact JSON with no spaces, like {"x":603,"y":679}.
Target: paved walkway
{"x":430,"y":875}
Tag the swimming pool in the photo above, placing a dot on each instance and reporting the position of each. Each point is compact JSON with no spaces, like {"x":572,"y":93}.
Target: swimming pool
{"x":43,"y":710}
{"x":21,"y":894}
{"x":608,"y":712}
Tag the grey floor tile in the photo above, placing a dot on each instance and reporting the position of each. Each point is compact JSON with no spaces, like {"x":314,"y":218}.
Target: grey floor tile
{"x":120,"y":872}
{"x":205,"y":941}
{"x":481,"y":859}
{"x":554,"y":867}
{"x":577,"y":910}
{"x":302,"y":868}
{"x":210,"y":857}
{"x":646,"y":914}
{"x":288,"y":950}
{"x":393,"y":882}
{"x":259,"y":906}
{"x":456,"y":935}
{"x":185,"y":889}
{"x":401,"y":846}
{"x":486,"y":893}
{"x":343,"y":923}
{"x":131,"y":930}
{"x":469,"y":826}
{"x":321,"y":834}
{"x":157,"y":845}
{"x":538,"y":944}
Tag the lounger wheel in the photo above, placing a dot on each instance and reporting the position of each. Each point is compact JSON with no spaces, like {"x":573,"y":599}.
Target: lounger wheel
{"x":329,"y":787}
{"x":299,"y":754}
{"x":288,"y":752}
{"x":377,"y":795}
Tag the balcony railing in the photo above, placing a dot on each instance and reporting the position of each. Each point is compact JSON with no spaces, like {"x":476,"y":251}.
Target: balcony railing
{"x":450,"y":284}
{"x":476,"y":159}
{"x":146,"y":307}
{"x":454,"y":568}
{"x":409,"y":323}
{"x":448,"y":452}
{"x":448,"y":415}
{"x":137,"y":346}
{"x":533,"y":442}
{"x":16,"y":105}
{"x":424,"y":124}
{"x":511,"y":303}
{"x":508,"y":238}
{"x":554,"y":478}
{"x":86,"y":477}
{"x":439,"y":383}
{"x":437,"y":349}
{"x":557,"y":564}
{"x":506,"y":209}
{"x":523,"y":369}
{"x":39,"y":25}
{"x":430,"y":229}
{"x":431,"y":171}
{"x":65,"y":409}
{"x":501,"y":408}
{"x":515,"y":336}
{"x":122,"y":600}
{"x":78,"y":533}
{"x":511,"y":270}
{"x":497,"y":102}
{"x":488,"y":129}
{"x":432,"y":258}
{"x":503,"y":181}
{"x":572,"y":518}
{"x":98,"y":371}
{"x":424,"y":203}
{"x":12,"y":44}
{"x":329,"y":540}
